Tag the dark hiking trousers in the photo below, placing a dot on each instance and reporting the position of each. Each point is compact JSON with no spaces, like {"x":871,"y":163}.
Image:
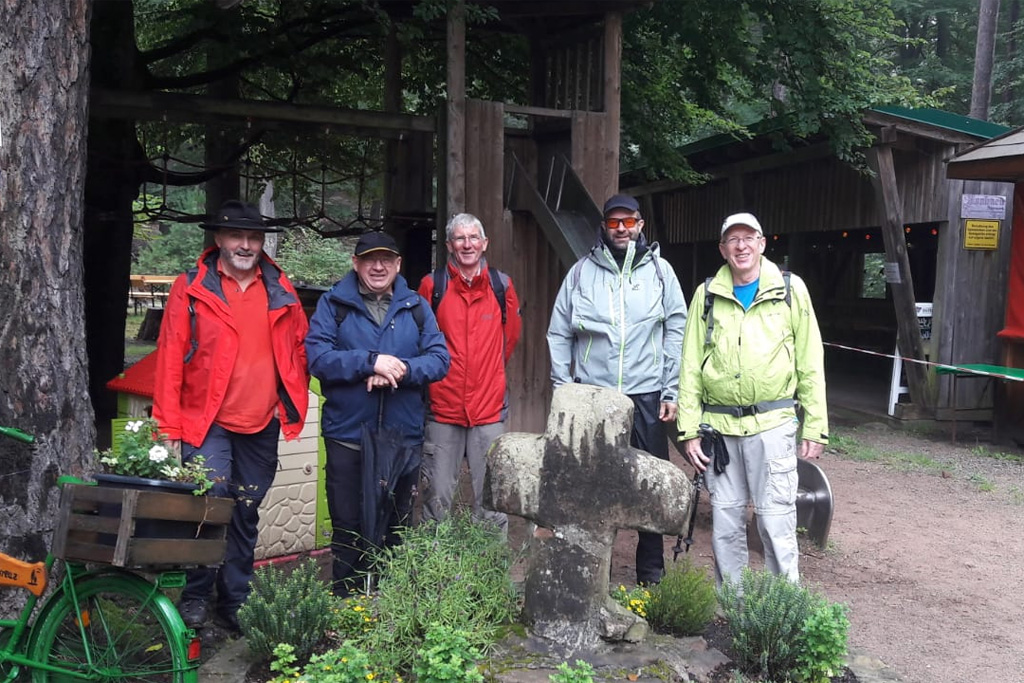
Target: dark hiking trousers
{"x":649,"y":435}
{"x":343,"y":487}
{"x":243,"y":467}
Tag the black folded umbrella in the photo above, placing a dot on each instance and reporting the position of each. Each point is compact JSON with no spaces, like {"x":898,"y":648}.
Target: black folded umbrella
{"x":385,"y":462}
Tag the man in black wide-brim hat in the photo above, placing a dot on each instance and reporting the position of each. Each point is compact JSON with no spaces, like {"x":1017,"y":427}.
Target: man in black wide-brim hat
{"x":231,"y":377}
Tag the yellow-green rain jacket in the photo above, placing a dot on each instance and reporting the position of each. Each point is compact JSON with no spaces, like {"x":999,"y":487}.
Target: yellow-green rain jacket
{"x":769,"y":352}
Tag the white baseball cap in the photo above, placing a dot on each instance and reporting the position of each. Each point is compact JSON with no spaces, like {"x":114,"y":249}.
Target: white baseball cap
{"x":746,"y":219}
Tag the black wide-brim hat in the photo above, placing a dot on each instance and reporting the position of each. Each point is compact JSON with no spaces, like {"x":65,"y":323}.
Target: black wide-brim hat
{"x":240,"y":216}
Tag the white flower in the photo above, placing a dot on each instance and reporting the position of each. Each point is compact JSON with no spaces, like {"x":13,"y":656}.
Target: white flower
{"x":133,"y":426}
{"x":158,"y":453}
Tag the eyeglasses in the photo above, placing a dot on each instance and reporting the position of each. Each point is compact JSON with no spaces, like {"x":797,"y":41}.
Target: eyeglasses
{"x":628,"y":223}
{"x":749,"y":240}
{"x":472,"y":239}
{"x":386,"y":260}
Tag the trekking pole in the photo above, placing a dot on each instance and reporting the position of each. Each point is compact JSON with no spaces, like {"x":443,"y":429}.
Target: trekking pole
{"x":683,"y":544}
{"x":708,"y":444}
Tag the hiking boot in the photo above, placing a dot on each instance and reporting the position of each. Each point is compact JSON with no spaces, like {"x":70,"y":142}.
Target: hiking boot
{"x":228,"y":620}
{"x":193,"y":612}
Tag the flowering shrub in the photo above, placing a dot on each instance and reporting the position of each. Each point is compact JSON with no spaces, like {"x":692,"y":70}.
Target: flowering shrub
{"x":635,"y":599}
{"x":142,"y":451}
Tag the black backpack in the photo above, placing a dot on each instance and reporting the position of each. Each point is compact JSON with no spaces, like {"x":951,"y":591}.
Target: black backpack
{"x":499,"y":283}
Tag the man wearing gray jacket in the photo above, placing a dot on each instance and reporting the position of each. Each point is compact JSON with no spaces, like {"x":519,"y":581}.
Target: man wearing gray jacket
{"x":618,"y":322}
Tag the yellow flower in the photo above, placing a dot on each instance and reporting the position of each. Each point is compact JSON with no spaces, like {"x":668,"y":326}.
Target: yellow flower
{"x":369,"y":676}
{"x":344,"y":660}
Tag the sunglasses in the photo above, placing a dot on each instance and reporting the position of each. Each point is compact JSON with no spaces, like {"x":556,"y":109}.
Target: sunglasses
{"x":628,"y":223}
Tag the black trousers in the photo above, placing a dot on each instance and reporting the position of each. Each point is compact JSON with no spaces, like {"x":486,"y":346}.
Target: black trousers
{"x":243,"y":466}
{"x":649,"y":434}
{"x":343,"y":484}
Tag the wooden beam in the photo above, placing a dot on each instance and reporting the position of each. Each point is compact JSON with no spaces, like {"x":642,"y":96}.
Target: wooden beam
{"x":612,"y":90}
{"x":538,"y":111}
{"x":157,"y":106}
{"x":455,"y":124}
{"x":898,"y":276}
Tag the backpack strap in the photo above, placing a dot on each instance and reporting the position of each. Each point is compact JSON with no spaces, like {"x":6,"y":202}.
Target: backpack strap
{"x":499,"y":285}
{"x":193,"y":341}
{"x":709,"y":303}
{"x":440,"y":287}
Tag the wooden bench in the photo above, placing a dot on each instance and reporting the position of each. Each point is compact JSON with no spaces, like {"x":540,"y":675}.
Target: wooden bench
{"x":149,"y":290}
{"x":976,"y":371}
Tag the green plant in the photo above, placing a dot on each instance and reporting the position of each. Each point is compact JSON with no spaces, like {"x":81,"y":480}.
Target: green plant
{"x":447,"y":656}
{"x":634,"y":599}
{"x":453,"y":573}
{"x":583,"y":672}
{"x":353,"y":616}
{"x":174,"y":252}
{"x":311,"y":259}
{"x":822,"y":644}
{"x":294,"y":608}
{"x":982,"y":483}
{"x":344,"y":664}
{"x":683,"y":602}
{"x":780,"y":629}
{"x":141,"y":450}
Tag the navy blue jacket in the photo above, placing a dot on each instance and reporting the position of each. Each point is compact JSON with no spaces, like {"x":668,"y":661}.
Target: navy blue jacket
{"x":339,"y":356}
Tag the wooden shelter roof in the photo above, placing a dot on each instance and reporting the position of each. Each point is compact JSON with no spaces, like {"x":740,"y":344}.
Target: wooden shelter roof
{"x":1000,"y":159}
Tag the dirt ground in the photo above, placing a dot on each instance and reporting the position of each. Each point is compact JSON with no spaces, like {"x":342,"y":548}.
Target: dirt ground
{"x":926,"y":548}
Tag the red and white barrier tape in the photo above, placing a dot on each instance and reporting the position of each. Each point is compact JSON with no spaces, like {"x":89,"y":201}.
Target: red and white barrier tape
{"x":956,"y":368}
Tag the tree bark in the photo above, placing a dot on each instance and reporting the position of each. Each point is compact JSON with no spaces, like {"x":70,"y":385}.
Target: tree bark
{"x":984,"y":54}
{"x":43,"y":382}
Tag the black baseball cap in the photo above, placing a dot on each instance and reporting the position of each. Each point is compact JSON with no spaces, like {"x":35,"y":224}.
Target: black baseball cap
{"x":376,"y":241}
{"x":621,"y":201}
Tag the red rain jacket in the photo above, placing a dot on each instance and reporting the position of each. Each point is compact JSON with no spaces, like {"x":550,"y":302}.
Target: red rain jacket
{"x":474,"y":391}
{"x":188,"y":395}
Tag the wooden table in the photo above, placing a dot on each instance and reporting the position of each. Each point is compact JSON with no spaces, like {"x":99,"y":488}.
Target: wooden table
{"x":977,"y":371}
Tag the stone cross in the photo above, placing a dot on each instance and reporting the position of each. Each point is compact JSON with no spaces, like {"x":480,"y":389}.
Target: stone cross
{"x":582,"y":480}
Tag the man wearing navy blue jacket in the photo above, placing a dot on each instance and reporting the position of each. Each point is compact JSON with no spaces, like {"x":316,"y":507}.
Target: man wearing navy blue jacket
{"x":374,"y":345}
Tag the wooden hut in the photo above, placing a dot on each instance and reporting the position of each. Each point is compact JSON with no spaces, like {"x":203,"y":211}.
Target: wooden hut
{"x":868,"y":247}
{"x":1001,"y":159}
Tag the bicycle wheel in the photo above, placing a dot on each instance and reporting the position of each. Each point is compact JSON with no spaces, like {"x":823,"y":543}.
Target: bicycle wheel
{"x":121,"y":630}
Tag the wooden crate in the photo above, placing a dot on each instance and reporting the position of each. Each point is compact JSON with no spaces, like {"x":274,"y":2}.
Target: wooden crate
{"x":114,"y":526}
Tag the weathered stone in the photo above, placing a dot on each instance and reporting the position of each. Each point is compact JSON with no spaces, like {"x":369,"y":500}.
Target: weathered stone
{"x":582,"y":480}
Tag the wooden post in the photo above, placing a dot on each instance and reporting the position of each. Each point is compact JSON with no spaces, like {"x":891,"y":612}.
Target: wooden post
{"x":456,"y":110}
{"x":612,"y":90}
{"x":897,"y":274}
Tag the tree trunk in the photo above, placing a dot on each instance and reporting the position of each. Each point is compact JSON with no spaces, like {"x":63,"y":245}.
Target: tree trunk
{"x":43,"y":382}
{"x":984,"y":54}
{"x":111,"y":185}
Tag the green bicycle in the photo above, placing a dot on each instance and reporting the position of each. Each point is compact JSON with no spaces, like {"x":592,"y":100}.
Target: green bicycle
{"x":103,"y":622}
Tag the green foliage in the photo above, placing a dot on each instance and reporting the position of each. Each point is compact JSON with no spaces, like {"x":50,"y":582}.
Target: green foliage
{"x":693,"y":68}
{"x":634,"y":599}
{"x":780,"y":628}
{"x":345,"y":664}
{"x":453,"y":573}
{"x":353,"y":617}
{"x":822,"y":645}
{"x":308,"y":258}
{"x":141,"y":450}
{"x":447,"y":656}
{"x":172,"y":253}
{"x":683,"y":602}
{"x":294,"y":608}
{"x":583,"y":672}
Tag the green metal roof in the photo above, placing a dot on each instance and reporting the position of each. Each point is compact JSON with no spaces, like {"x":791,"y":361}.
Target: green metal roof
{"x":932,"y":117}
{"x":948,"y":120}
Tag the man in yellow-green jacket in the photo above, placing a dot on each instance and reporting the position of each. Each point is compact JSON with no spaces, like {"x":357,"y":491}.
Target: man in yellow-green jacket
{"x":752,"y":353}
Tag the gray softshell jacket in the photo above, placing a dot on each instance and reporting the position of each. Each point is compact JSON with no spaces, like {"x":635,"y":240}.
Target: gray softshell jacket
{"x":621,"y":329}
